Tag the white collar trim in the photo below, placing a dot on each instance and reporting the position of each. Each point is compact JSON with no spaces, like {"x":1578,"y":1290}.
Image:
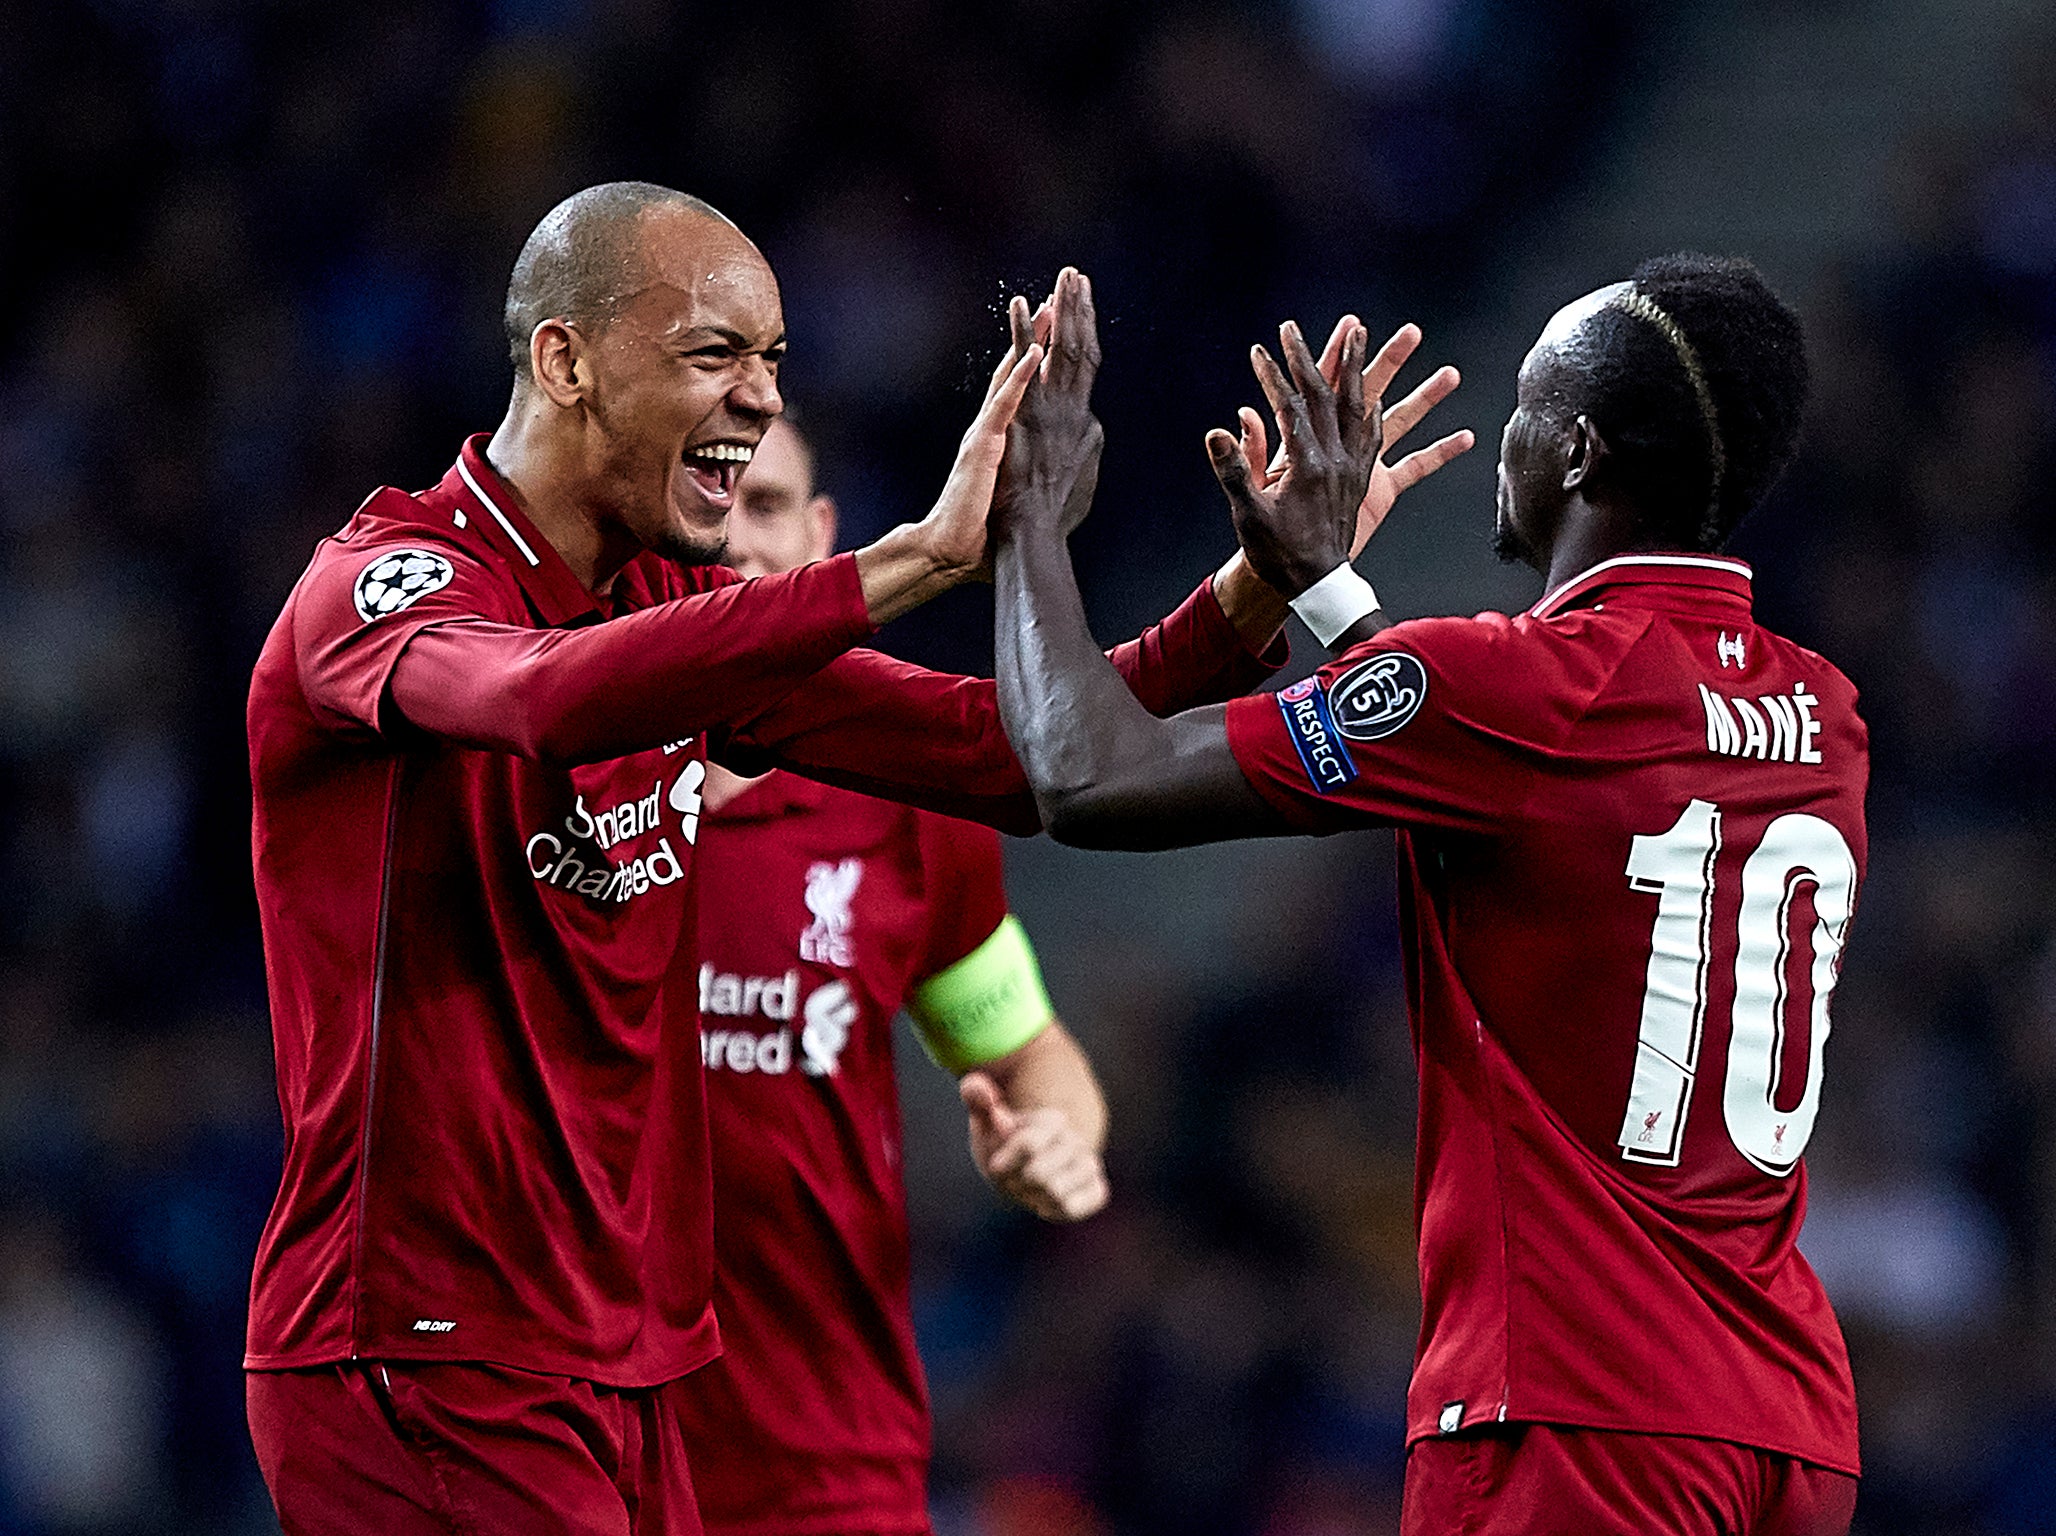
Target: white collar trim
{"x":1554,"y":600}
{"x":499,"y":517}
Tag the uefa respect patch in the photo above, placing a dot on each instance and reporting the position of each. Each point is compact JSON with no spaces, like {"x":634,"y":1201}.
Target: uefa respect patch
{"x":1311,"y":724}
{"x":1378,"y":695}
{"x":398,"y":578}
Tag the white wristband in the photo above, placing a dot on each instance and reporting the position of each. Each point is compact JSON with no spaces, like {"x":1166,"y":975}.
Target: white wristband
{"x":1335,"y":602}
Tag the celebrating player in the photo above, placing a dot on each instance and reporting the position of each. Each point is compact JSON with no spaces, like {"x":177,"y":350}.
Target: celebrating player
{"x":823,"y":911}
{"x":1631,"y":834}
{"x":479,"y":737}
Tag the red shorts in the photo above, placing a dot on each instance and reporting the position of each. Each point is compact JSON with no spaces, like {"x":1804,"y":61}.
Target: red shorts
{"x":408,"y":1448}
{"x":1549,"y":1480}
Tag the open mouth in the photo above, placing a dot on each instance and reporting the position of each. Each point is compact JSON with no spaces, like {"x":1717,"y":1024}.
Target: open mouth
{"x":714,"y":468}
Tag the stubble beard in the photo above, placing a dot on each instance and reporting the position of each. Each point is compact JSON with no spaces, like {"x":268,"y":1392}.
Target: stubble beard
{"x":1507,"y":541}
{"x":1510,"y":547}
{"x":683,"y":549}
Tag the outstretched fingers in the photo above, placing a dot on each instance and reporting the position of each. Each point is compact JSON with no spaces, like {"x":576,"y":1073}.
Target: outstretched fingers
{"x":1000,"y":409}
{"x":1020,"y":337}
{"x":1256,"y":447}
{"x":1316,"y":398}
{"x":1384,"y":367}
{"x":1288,"y":407}
{"x":989,"y":426}
{"x":1074,"y":336}
{"x":1360,"y":431}
{"x":1418,"y":465}
{"x":1046,"y":1166}
{"x":1331,"y":354}
{"x":1410,"y":412}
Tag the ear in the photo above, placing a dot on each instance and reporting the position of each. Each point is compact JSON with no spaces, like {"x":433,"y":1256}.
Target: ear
{"x":1585,"y":450}
{"x":821,"y":513}
{"x":557,"y":362}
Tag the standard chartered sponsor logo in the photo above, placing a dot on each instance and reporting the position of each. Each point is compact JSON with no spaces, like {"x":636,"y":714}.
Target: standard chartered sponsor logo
{"x":830,"y":1013}
{"x":570,"y":869}
{"x":685,"y":798}
{"x":731,"y":996}
{"x":826,"y":1018}
{"x":575,"y":859}
{"x":631,"y":818}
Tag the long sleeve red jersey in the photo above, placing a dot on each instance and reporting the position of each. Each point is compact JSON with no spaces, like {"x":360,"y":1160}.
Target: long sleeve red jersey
{"x":816,"y":1417}
{"x":1631,"y":837}
{"x":477,"y":799}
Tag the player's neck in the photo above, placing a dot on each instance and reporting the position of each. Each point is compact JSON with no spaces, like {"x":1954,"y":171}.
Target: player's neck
{"x":1589,"y":532}
{"x":548,"y":479}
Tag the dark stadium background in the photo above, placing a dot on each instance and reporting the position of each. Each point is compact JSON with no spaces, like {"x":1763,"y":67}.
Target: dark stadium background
{"x":251,"y":254}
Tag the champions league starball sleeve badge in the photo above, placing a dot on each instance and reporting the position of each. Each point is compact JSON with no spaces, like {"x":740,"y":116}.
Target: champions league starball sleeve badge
{"x":398,"y":578}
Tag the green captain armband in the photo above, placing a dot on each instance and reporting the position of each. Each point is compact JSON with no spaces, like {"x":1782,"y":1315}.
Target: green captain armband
{"x":990,"y":1003}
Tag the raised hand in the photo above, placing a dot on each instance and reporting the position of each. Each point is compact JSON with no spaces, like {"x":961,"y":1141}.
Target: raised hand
{"x":909,"y":564}
{"x":1035,"y":1158}
{"x":1299,"y":526}
{"x":955,"y":528}
{"x":1052,"y":460}
{"x":1388,"y":480}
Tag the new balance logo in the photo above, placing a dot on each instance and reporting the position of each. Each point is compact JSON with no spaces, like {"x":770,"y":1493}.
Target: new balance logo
{"x":1729,"y":649}
{"x":433,"y":1325}
{"x":1775,"y":727}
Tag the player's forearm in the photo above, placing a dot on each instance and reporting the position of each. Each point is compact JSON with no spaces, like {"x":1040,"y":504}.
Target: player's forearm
{"x":1207,"y":650}
{"x":1255,"y":607}
{"x":1052,"y":1071}
{"x":1105,"y":773}
{"x":1072,"y":720}
{"x":654,"y":677}
{"x":885,"y":728}
{"x":902,"y":570}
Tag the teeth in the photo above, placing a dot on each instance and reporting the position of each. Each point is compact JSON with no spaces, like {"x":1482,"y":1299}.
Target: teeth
{"x":724,"y":453}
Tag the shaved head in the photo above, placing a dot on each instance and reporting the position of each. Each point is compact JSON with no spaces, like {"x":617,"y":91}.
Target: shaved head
{"x":646,"y":333}
{"x":1562,"y":333}
{"x":584,"y":260}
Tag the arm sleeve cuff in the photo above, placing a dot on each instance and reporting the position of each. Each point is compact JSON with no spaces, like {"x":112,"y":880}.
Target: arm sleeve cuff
{"x":987,"y":1005}
{"x":1196,"y":656}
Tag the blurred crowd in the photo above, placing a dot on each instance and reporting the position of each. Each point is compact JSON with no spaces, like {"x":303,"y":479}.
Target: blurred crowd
{"x":1913,"y":544}
{"x":254,"y":251}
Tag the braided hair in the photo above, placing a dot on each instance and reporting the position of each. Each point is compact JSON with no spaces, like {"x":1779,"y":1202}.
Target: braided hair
{"x":1696,"y":374}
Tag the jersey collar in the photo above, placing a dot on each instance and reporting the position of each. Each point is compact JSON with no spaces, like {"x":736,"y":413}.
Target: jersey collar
{"x":479,"y":495}
{"x":1711,"y":574}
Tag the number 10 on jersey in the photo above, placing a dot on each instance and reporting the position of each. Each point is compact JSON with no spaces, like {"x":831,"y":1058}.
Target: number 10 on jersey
{"x":1797,"y":852}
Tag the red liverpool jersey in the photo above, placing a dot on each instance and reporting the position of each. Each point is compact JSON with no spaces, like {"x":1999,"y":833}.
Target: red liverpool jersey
{"x":1631,"y":836}
{"x":477,"y":913}
{"x":824,"y":909}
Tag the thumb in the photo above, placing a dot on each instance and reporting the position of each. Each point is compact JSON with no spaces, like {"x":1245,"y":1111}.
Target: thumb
{"x":1230,"y":467}
{"x":988,"y":1110}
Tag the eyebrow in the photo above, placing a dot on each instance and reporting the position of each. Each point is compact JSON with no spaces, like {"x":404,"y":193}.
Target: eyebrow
{"x":736,"y":339}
